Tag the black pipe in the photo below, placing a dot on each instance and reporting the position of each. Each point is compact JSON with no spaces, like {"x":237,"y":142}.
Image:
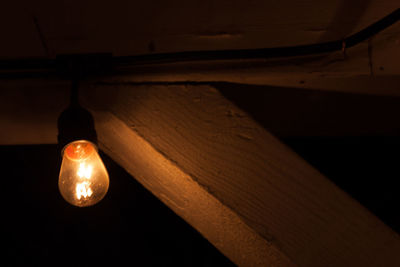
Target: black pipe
{"x":25,"y":66}
{"x":263,"y":53}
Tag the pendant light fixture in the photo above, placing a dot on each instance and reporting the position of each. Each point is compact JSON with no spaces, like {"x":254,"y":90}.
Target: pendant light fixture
{"x":83,"y":179}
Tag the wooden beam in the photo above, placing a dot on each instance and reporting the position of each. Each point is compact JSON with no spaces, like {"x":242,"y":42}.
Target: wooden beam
{"x":323,"y":73}
{"x":254,"y":199}
{"x":30,"y":108}
{"x":222,"y":226}
{"x":368,"y":68}
{"x":214,"y":166}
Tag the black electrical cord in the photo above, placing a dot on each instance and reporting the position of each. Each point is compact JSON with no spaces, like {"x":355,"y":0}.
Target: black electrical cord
{"x":75,"y":122}
{"x":264,"y":53}
{"x":39,"y":65}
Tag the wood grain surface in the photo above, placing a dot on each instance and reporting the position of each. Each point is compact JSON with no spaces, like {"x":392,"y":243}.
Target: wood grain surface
{"x":271,"y":189}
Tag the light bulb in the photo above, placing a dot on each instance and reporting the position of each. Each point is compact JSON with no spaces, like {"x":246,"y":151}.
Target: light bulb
{"x":83,"y":178}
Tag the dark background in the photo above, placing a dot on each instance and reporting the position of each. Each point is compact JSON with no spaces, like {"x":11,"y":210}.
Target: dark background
{"x":129,"y":227}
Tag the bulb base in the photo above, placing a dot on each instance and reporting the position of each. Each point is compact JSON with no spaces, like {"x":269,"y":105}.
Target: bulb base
{"x":75,"y":123}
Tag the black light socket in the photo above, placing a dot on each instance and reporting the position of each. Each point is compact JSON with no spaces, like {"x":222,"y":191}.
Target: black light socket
{"x":75,"y":123}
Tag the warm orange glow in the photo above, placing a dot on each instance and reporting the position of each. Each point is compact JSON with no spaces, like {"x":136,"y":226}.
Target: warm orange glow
{"x":83,"y":178}
{"x":79,"y":150}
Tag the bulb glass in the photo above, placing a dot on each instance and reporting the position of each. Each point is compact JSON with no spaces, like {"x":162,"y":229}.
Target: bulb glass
{"x":83,"y":177}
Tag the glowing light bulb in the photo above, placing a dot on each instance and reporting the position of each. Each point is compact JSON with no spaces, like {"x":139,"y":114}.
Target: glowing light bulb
{"x":83,"y":178}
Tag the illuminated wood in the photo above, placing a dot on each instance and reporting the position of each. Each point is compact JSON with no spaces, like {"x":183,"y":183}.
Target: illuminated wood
{"x":222,"y":226}
{"x":252,"y":197}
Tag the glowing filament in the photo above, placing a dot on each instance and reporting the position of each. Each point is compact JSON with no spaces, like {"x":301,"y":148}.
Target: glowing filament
{"x":85,"y":171}
{"x":83,"y":190}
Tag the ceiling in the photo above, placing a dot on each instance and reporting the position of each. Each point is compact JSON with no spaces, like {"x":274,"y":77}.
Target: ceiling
{"x":45,"y":28}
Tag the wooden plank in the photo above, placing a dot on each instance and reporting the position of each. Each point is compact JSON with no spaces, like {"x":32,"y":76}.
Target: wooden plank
{"x":185,"y":141}
{"x":369,"y":68}
{"x":185,"y":196}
